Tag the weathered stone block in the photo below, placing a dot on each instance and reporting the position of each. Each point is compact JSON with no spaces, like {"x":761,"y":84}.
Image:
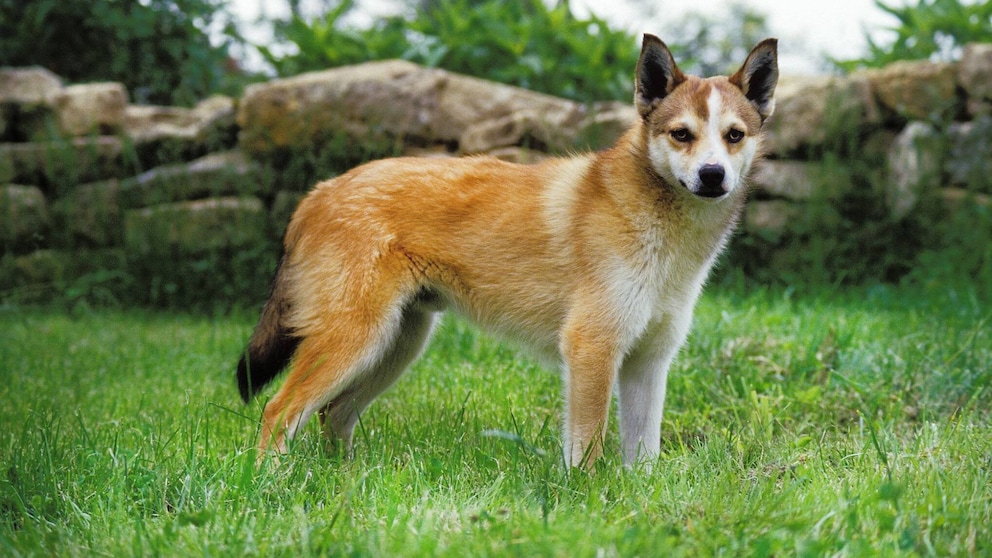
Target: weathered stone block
{"x":808,"y":108}
{"x":381,"y":103}
{"x":429,"y":152}
{"x":521,"y":128}
{"x":783,"y":179}
{"x":914,"y":165}
{"x":916,"y":90}
{"x":24,"y":112}
{"x":769,"y":218}
{"x":606,"y":124}
{"x":91,"y":108}
{"x":24,"y":218}
{"x":975,"y":71}
{"x":40,"y":267}
{"x":90,"y":214}
{"x":969,"y":162}
{"x":298,"y":111}
{"x":196,"y":227}
{"x":218,"y":174}
{"x":169,"y":134}
{"x":60,"y":162}
{"x":27,"y":86}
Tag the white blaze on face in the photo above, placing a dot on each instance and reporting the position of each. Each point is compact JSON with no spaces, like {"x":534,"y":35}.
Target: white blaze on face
{"x":714,"y":151}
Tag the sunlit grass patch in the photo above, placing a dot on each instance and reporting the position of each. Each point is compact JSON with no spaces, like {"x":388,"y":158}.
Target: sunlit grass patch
{"x":825,"y":423}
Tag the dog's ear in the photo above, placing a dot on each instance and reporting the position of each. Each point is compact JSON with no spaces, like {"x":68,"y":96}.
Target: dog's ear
{"x":758,"y":76}
{"x":657,"y":74}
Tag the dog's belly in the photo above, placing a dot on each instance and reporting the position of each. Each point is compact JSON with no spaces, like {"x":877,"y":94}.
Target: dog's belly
{"x":531,"y":325}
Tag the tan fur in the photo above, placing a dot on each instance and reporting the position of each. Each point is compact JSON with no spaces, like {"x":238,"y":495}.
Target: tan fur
{"x":594,"y":262}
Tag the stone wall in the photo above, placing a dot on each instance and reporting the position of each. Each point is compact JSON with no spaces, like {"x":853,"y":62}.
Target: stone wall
{"x":86,"y":177}
{"x":929,"y":124}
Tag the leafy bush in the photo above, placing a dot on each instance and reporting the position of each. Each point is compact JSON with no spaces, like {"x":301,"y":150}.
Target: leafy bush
{"x":844,"y":235}
{"x":213,"y":282}
{"x":523,"y":42}
{"x":931,"y":29}
{"x":705,"y":44}
{"x":159,"y":49}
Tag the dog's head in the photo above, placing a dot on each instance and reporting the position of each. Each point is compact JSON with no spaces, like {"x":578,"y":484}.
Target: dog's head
{"x":703,"y":134}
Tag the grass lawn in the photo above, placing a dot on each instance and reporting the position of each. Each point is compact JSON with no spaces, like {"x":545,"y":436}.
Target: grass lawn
{"x":849,"y":424}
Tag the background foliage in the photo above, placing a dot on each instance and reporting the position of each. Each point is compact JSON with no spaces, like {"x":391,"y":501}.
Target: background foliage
{"x":707,"y":44}
{"x":932,"y":29}
{"x":160,"y":49}
{"x":526,"y":43}
{"x":179,"y":51}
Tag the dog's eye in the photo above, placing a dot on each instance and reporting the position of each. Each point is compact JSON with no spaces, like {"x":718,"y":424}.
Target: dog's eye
{"x":681,"y":135}
{"x":734,"y":135}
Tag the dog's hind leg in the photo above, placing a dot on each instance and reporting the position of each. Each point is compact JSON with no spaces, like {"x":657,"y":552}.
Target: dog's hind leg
{"x":339,"y":417}
{"x":347,"y":344}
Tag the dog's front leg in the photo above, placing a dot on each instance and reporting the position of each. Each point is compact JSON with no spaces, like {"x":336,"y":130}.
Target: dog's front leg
{"x":591,"y":358}
{"x":642,"y":383}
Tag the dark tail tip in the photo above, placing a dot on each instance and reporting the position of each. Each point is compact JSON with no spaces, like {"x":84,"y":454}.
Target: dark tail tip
{"x":244,"y":381}
{"x":257,"y":368}
{"x":271,"y":346}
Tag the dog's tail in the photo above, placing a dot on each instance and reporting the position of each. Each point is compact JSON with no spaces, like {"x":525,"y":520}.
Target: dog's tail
{"x":271,"y":345}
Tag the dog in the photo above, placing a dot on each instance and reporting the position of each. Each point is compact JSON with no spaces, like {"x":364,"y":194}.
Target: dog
{"x":595,"y":262}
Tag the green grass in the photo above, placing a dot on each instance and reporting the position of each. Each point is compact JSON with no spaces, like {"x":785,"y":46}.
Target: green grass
{"x":820,"y":424}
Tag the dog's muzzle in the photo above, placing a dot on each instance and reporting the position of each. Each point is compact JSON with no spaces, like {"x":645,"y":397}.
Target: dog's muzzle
{"x":711,"y":181}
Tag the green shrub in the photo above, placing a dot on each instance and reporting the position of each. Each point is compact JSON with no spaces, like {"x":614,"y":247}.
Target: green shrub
{"x":524,"y":42}
{"x":930,"y":29}
{"x":205,"y":283}
{"x":706,"y":44}
{"x":159,"y":49}
{"x":844,"y":235}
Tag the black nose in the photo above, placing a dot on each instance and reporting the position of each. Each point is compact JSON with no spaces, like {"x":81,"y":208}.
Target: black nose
{"x":711,"y":178}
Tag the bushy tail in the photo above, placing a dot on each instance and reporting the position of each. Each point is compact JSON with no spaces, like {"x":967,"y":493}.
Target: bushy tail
{"x":271,"y":346}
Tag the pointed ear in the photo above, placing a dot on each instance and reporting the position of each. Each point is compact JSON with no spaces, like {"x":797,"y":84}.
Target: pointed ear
{"x":657,"y":74}
{"x":758,"y":76}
